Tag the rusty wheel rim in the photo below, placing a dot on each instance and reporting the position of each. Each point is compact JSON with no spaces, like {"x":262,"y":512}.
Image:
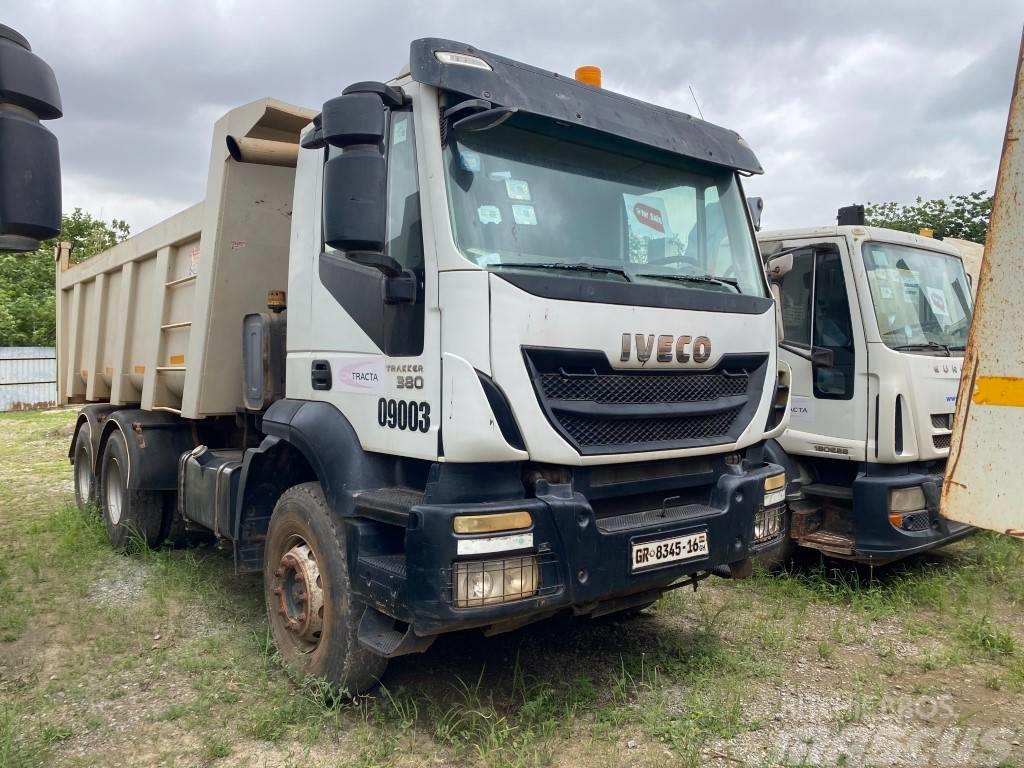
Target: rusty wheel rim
{"x":298,"y":595}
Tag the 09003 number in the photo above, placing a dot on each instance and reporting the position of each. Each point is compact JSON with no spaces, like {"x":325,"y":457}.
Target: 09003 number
{"x":409,"y":415}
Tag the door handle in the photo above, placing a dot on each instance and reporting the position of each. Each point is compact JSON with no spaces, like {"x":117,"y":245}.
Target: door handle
{"x":320,"y":375}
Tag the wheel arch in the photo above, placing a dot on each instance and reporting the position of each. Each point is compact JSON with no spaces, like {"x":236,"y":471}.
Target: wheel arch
{"x":305,"y":440}
{"x":95,"y":416}
{"x":321,"y":434}
{"x":155,"y":441}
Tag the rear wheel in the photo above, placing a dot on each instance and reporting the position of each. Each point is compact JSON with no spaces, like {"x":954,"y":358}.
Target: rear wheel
{"x":85,"y":476}
{"x":129,"y":515}
{"x":313,"y":614}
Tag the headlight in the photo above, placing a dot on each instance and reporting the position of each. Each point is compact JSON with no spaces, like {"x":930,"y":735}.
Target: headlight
{"x":485,"y":582}
{"x":906,"y":499}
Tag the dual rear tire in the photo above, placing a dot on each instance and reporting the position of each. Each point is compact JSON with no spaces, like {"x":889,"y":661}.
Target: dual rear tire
{"x":131,"y":517}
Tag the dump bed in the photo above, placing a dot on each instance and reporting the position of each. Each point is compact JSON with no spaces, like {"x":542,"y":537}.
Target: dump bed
{"x":157,"y":319}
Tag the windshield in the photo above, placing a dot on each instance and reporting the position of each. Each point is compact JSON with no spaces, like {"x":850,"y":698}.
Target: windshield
{"x":522,"y":199}
{"x":921,"y":298}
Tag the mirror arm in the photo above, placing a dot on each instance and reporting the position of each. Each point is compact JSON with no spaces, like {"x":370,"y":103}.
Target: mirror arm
{"x":383,"y":263}
{"x":820,"y":357}
{"x":399,"y":284}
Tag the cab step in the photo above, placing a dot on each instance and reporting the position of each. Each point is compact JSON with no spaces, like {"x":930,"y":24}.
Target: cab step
{"x":385,"y":637}
{"x":830,"y":543}
{"x":387,"y":505}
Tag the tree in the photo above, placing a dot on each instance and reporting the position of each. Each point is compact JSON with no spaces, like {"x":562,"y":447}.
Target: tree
{"x":962,"y":216}
{"x":27,"y":315}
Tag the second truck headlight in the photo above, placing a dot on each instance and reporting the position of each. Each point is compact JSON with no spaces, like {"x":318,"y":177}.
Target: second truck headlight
{"x":907,"y":499}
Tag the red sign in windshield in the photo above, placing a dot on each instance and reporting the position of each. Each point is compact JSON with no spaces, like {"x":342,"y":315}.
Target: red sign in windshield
{"x":649,"y":217}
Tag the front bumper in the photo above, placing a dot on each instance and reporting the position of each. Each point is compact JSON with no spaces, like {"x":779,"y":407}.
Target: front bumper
{"x":878,"y":541}
{"x":584,"y":558}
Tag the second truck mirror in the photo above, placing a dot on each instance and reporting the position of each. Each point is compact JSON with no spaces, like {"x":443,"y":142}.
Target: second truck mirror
{"x":779,"y":266}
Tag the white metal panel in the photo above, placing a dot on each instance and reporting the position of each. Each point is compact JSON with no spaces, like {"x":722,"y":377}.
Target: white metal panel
{"x":984,"y":484}
{"x":28,"y":378}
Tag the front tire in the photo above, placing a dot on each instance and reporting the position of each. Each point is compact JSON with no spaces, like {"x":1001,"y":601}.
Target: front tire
{"x":85,"y":477}
{"x":313,"y":614}
{"x":129,"y":515}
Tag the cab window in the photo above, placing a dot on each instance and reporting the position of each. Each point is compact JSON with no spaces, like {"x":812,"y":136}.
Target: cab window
{"x":816,"y":313}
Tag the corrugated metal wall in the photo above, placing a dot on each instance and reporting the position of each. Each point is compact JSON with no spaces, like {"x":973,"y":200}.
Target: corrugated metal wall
{"x":28,"y":378}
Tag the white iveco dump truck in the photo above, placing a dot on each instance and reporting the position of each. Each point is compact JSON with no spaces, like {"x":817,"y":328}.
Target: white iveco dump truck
{"x":873,"y":324}
{"x":528,"y":361}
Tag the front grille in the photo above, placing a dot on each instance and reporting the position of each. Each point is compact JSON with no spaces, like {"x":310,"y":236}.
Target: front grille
{"x":942,"y":420}
{"x":652,"y":388}
{"x":598,"y":409}
{"x":610,"y":433}
{"x":941,"y":441}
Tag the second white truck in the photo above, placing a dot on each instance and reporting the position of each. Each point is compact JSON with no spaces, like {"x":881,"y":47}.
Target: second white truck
{"x":463,"y":349}
{"x":874,"y":324}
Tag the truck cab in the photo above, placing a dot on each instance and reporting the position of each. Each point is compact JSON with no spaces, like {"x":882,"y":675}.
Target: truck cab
{"x":873,"y":324}
{"x":519,"y":358}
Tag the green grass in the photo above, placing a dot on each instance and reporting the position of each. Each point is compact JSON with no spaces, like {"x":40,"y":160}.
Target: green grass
{"x":176,"y":634}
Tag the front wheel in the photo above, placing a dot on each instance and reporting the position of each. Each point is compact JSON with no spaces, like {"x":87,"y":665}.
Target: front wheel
{"x":313,"y":614}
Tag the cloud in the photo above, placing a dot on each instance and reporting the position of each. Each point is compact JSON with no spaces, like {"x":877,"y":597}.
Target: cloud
{"x":842,"y":102}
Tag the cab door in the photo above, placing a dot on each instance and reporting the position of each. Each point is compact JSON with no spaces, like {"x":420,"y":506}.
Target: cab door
{"x":376,"y":359}
{"x":818,"y":303}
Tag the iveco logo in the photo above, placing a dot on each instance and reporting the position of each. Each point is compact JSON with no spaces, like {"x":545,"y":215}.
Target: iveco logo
{"x":682,"y":348}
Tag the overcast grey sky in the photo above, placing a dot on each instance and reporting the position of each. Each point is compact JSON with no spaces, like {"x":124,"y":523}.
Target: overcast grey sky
{"x":842,"y":102}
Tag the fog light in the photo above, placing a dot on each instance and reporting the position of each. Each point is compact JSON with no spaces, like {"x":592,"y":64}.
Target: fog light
{"x":906,"y":499}
{"x":767,"y":524}
{"x":487,"y":582}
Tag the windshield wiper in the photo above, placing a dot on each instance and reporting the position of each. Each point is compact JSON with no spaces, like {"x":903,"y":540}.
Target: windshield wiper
{"x":728,"y":281}
{"x":581,"y":266}
{"x":926,"y":345}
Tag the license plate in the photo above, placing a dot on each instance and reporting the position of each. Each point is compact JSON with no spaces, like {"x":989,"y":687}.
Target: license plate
{"x":652,"y":553}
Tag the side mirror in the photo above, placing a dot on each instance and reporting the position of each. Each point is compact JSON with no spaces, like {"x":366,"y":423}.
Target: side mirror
{"x":756,"y":207}
{"x":30,"y":199}
{"x":779,"y":266}
{"x":355,"y":180}
{"x":355,"y":201}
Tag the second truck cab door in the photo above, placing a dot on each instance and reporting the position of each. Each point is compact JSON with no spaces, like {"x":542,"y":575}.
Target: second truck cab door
{"x":819,"y":308}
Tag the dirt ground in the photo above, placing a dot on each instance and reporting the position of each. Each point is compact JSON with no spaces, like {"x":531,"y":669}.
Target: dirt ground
{"x":163,"y":658}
